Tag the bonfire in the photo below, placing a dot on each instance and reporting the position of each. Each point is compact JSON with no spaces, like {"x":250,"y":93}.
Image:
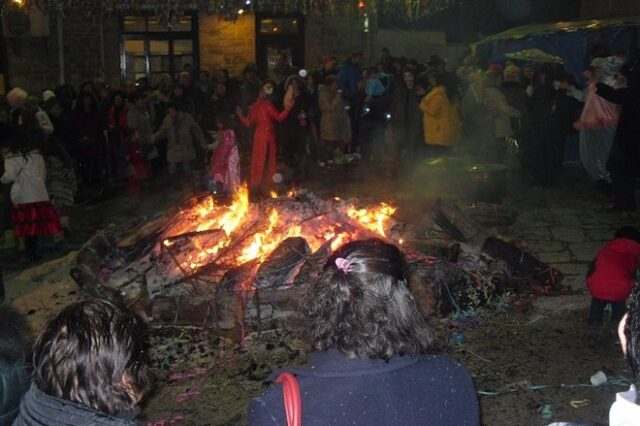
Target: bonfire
{"x":231,"y":264}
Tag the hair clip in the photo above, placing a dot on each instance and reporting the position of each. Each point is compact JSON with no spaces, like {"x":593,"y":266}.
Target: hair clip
{"x":342,"y":264}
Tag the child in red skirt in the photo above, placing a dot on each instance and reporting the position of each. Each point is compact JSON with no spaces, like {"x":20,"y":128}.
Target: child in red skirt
{"x":32,"y":213}
{"x":137,"y":169}
{"x":224,"y":167}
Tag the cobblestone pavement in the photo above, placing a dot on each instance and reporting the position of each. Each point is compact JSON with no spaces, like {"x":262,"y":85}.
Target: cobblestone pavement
{"x":565,"y":225}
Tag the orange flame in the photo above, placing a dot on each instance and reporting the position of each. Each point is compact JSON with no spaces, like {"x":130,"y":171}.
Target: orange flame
{"x":240,"y":217}
{"x":374,"y":220}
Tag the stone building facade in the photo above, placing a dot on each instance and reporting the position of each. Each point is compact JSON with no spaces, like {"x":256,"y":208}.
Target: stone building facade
{"x":92,"y":46}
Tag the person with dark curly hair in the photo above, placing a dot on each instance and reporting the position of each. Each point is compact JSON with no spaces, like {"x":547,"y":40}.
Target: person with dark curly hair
{"x":14,"y":371}
{"x":371,"y":365}
{"x":90,"y":368}
{"x":626,"y":409}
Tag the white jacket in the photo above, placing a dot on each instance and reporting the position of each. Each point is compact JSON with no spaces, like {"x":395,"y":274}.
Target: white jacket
{"x":625,"y":411}
{"x":45,"y":122}
{"x":28,"y":176}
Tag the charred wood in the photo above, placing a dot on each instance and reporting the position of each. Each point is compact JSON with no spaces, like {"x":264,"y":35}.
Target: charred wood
{"x":92,"y":285}
{"x":523,"y":263}
{"x":458,"y":224}
{"x":196,"y":311}
{"x":283,"y":264}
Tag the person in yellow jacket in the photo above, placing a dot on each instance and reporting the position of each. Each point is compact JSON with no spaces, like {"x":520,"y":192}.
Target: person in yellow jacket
{"x":441,"y":120}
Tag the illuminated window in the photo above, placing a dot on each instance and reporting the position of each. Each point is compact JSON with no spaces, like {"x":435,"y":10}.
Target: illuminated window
{"x":155,"y":50}
{"x":289,"y":25}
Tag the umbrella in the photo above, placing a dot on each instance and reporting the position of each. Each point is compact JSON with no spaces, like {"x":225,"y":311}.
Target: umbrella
{"x":535,"y":55}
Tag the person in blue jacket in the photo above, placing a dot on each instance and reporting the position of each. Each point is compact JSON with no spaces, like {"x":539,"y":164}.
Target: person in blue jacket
{"x":371,"y":364}
{"x":349,"y":76}
{"x":14,"y":371}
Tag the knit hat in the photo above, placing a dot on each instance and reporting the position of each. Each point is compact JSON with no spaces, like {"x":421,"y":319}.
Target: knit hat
{"x":47,"y":95}
{"x":477,"y":75}
{"x":495,"y":67}
{"x":17,"y":97}
{"x":512,"y":72}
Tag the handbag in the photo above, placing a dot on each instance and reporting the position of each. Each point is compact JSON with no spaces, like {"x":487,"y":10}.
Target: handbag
{"x":291,"y":396}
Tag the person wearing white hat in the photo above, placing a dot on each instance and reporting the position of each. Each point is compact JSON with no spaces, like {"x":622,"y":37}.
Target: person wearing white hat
{"x":17,"y":99}
{"x":47,"y":95}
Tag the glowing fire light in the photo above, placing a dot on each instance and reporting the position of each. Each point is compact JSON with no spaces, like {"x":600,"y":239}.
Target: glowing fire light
{"x":264,"y":233}
{"x":373,"y":220}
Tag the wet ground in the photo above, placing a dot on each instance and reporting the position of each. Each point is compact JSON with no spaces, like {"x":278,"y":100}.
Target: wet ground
{"x":531,"y":365}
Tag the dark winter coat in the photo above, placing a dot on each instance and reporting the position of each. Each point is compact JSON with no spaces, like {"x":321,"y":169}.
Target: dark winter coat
{"x":406,"y":117}
{"x":624,"y":157}
{"x":348,"y":79}
{"x":37,"y":408}
{"x":611,"y":276}
{"x":14,"y":381}
{"x":336,"y":390}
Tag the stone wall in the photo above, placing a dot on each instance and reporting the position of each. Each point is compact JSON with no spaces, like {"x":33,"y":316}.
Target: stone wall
{"x":227,"y":44}
{"x":84,"y":49}
{"x":32,"y":62}
{"x":336,"y":36}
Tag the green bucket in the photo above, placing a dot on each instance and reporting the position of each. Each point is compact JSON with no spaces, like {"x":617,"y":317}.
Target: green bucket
{"x":487,"y":182}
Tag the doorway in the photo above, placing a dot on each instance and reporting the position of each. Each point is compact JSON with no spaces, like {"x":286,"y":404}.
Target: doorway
{"x":279,"y":34}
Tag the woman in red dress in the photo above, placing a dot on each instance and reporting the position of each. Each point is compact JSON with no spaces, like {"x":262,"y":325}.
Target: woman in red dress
{"x":262,"y":115}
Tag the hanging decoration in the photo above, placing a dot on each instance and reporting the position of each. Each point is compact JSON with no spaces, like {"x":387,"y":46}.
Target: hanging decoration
{"x":169,"y":10}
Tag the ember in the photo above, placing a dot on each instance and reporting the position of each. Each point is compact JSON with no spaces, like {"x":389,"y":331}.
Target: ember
{"x":241,"y":264}
{"x":252,"y":234}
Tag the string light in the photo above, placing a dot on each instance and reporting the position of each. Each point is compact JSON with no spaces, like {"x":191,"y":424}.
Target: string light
{"x":169,"y":11}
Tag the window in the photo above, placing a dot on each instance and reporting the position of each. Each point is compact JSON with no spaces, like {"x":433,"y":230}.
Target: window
{"x":153,"y":49}
{"x":276,"y":25}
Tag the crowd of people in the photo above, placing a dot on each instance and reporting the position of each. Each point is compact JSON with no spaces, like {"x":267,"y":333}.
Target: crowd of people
{"x":75,"y":142}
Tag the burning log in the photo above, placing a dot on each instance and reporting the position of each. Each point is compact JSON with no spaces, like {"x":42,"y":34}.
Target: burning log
{"x":283,"y":264}
{"x":170,"y":240}
{"x":311,"y":269}
{"x":230,"y":265}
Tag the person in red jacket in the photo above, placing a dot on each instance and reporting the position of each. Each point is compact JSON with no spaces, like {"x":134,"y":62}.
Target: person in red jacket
{"x":262,"y":115}
{"x":611,"y":278}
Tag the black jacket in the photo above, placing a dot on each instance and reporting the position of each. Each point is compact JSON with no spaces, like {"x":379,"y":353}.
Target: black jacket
{"x":37,"y":408}
{"x":336,"y":390}
{"x":624,"y":157}
{"x":14,"y":381}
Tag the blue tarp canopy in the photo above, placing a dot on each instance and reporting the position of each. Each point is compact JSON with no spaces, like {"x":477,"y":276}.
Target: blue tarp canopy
{"x":571,"y":41}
